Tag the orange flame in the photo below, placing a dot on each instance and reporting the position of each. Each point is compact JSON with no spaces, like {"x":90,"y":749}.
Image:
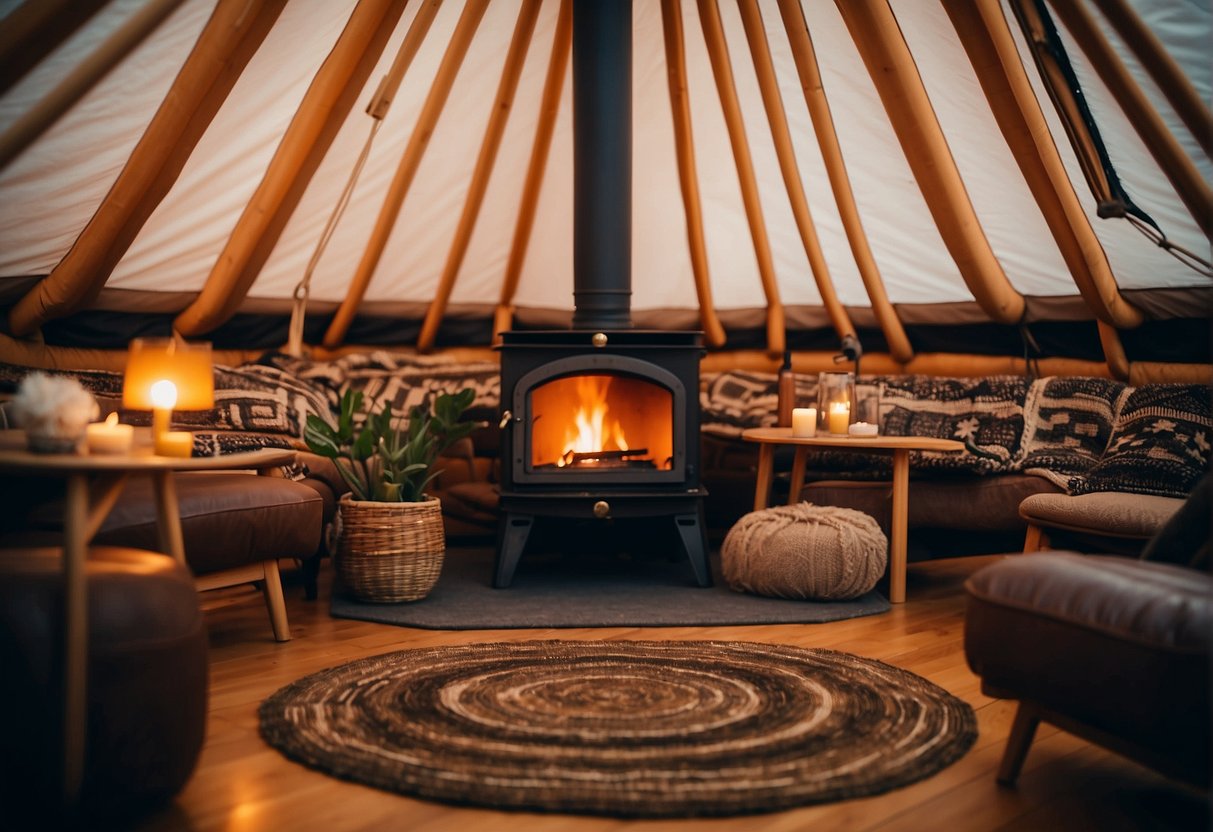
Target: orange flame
{"x":591,"y":431}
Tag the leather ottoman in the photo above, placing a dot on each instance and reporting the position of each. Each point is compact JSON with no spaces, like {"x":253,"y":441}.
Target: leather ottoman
{"x":146,"y":690}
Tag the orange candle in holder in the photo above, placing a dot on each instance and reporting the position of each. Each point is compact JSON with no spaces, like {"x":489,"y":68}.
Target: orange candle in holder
{"x":839,"y":417}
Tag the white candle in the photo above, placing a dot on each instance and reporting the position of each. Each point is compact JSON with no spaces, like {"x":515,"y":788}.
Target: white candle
{"x":174,"y":443}
{"x":109,"y":437}
{"x":863,"y":429}
{"x":839,"y":417}
{"x":804,"y":421}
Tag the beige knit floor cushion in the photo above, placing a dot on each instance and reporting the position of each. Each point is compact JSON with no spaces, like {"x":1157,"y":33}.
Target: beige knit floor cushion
{"x":805,"y":551}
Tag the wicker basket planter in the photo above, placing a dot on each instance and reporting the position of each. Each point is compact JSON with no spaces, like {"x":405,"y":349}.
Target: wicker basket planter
{"x":390,"y":552}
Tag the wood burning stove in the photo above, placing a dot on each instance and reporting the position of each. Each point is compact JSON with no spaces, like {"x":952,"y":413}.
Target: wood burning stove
{"x":600,"y":425}
{"x":601,"y":421}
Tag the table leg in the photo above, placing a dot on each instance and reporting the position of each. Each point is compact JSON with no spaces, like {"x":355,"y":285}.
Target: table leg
{"x":75,"y":653}
{"x":766,"y":473}
{"x":901,"y":512}
{"x":798,"y":466}
{"x":168,"y":516}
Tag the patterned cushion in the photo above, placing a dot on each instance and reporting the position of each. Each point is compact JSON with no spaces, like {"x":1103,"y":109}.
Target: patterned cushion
{"x":251,"y":399}
{"x":732,"y":401}
{"x":984,"y":413}
{"x":1067,"y":424}
{"x":1160,"y":443}
{"x":399,"y":379}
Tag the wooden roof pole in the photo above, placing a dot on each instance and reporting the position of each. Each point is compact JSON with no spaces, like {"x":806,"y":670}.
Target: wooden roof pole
{"x":1114,"y":351}
{"x":22,"y":133}
{"x":722,"y":71}
{"x":231,"y":276}
{"x":760,"y":52}
{"x":684,"y":146}
{"x":1195,"y":193}
{"x":226,"y":44}
{"x":987,"y":39}
{"x":423,"y":130}
{"x":1192,"y":111}
{"x":502,"y":103}
{"x":34,"y":29}
{"x":827,"y":141}
{"x":887,"y":57}
{"x":549,"y":107}
{"x":1063,"y":99}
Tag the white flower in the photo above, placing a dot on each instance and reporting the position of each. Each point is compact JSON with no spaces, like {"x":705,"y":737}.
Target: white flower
{"x":53,"y":406}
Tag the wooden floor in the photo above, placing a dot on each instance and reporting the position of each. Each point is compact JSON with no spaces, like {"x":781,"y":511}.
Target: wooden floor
{"x":242,"y":785}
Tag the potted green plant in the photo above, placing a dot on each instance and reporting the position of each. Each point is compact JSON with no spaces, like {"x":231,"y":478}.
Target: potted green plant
{"x":391,"y":541}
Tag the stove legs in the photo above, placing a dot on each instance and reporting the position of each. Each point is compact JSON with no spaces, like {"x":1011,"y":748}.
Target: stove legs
{"x":695,"y":543}
{"x":515,"y":529}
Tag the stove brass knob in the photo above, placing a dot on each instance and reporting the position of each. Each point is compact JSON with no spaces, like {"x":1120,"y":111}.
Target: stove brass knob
{"x":601,"y":509}
{"x":599,"y":339}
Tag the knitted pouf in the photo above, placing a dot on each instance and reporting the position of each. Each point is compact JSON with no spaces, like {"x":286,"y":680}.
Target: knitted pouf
{"x":805,"y":551}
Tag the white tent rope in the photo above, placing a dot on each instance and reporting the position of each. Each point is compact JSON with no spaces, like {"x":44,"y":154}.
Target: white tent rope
{"x":294,"y":343}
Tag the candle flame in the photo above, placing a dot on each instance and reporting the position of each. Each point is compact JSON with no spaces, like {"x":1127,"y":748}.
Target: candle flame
{"x":164,"y":394}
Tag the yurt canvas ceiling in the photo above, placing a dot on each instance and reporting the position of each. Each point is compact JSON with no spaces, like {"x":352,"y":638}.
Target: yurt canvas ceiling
{"x":184,"y":164}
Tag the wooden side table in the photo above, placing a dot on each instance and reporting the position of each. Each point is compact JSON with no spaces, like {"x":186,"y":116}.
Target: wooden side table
{"x":899,"y":446}
{"x":82,"y":520}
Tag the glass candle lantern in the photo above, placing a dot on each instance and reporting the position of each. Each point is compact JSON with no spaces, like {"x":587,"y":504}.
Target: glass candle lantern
{"x":835,"y":402}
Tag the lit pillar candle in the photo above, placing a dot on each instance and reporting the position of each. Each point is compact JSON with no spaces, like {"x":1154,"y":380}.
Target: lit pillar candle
{"x":804,"y":421}
{"x":174,"y":443}
{"x":109,"y":437}
{"x":839,"y":417}
{"x":164,"y":396}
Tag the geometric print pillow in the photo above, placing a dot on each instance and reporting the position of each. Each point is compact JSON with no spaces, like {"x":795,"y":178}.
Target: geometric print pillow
{"x":1160,"y":443}
{"x":1068,"y":423}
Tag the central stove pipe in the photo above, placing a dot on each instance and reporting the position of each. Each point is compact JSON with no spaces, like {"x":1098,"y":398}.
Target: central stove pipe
{"x":602,"y":164}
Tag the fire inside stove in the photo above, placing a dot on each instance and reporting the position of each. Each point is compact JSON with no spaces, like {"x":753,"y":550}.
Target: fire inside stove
{"x":601,"y":422}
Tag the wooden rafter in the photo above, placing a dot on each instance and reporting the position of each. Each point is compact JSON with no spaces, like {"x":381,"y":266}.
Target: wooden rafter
{"x":891,"y":66}
{"x":1114,"y":351}
{"x":760,"y":52}
{"x":1063,"y":99}
{"x":684,"y":145}
{"x":34,"y":29}
{"x":1163,"y":69}
{"x":226,"y":44}
{"x":22,"y":133}
{"x":805,"y":57}
{"x":987,"y":39}
{"x":1183,"y":175}
{"x":549,"y":107}
{"x":328,"y":99}
{"x":502,"y":104}
{"x":722,"y":71}
{"x":423,"y":130}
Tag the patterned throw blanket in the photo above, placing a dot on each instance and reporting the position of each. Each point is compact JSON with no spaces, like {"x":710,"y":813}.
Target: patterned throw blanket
{"x":1082,"y":433}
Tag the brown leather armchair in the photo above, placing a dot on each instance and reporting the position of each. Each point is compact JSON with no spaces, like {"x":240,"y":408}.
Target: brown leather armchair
{"x":1113,"y":649}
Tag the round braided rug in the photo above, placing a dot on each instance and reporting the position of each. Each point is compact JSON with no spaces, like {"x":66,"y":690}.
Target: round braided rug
{"x":624,"y":728}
